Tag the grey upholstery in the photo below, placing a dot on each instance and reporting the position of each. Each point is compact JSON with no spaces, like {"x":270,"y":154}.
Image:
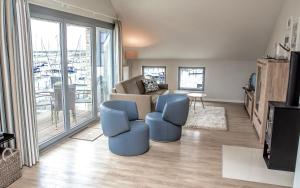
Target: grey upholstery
{"x":126,"y":135}
{"x":134,"y":90}
{"x":171,"y":114}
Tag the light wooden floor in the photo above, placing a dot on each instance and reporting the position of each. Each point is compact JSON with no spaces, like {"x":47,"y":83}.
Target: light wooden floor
{"x":194,"y":161}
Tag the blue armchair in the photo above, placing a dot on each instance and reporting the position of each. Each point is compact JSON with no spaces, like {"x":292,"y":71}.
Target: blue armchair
{"x":171,"y":114}
{"x":127,"y":136}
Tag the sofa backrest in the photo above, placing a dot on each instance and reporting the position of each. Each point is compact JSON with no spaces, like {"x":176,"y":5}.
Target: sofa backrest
{"x":129,"y":86}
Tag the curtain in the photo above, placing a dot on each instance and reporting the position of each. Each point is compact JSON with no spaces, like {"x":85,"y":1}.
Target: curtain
{"x":118,"y":52}
{"x":16,"y":81}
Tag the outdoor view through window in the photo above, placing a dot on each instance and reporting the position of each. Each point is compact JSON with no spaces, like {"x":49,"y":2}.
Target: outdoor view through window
{"x":191,"y":78}
{"x":156,"y":73}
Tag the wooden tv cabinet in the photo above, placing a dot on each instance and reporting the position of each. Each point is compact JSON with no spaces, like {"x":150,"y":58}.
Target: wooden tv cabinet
{"x":271,"y":85}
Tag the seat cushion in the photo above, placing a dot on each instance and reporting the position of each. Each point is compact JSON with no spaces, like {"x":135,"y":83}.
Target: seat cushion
{"x":133,"y":142}
{"x":140,"y":86}
{"x":161,"y":130}
{"x":129,"y":86}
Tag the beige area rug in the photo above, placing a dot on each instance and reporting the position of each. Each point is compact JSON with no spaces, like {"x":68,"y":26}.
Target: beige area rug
{"x":89,"y":134}
{"x":249,"y":165}
{"x":210,"y":117}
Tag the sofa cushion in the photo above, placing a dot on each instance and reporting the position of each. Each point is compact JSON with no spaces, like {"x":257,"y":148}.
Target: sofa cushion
{"x":150,"y":85}
{"x":140,"y":86}
{"x":129,"y":86}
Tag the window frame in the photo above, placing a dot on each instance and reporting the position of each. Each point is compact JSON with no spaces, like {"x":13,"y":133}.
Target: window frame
{"x":152,"y":66}
{"x":191,"y":89}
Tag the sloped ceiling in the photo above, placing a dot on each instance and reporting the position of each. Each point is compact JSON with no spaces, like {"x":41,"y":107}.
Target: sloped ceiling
{"x":198,"y":29}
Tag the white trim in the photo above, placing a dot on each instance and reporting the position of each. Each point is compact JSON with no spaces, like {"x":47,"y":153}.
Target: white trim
{"x":73,"y":9}
{"x":68,"y":5}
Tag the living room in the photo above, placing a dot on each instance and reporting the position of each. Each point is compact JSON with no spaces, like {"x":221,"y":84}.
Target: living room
{"x":114,"y":93}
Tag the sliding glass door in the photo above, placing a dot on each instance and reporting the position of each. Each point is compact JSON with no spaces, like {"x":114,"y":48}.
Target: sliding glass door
{"x":80,"y":95}
{"x":73,"y":71}
{"x":63,"y":77}
{"x":104,"y":64}
{"x":47,"y":71}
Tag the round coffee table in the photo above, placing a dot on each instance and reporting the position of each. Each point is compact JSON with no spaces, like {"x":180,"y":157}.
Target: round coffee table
{"x":195,"y":96}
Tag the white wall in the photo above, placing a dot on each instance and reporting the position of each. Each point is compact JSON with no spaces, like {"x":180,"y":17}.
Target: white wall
{"x":100,"y":8}
{"x":289,"y":8}
{"x":224,"y":79}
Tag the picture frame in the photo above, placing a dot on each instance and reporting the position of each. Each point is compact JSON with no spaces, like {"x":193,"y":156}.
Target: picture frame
{"x":292,"y":35}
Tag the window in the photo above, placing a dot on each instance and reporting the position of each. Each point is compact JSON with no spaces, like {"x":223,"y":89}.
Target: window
{"x":191,"y":78}
{"x":157,"y":73}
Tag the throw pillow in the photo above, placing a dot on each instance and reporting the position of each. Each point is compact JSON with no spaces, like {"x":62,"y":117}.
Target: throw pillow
{"x":150,"y":85}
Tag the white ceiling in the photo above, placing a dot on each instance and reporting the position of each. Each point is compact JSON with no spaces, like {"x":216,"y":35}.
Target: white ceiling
{"x":198,"y":29}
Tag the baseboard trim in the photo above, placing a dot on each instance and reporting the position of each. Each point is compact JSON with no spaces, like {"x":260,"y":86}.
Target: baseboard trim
{"x":222,"y":100}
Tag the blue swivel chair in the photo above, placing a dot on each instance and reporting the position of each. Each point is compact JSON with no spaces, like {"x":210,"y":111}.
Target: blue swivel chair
{"x":171,"y":114}
{"x":126,"y":135}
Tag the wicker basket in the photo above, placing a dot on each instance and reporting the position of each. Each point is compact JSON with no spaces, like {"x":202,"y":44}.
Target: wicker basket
{"x":10,"y":167}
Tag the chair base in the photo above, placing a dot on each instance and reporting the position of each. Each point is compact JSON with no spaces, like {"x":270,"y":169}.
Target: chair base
{"x":162,"y":131}
{"x":132,"y":143}
{"x":165,"y":141}
{"x":166,"y":138}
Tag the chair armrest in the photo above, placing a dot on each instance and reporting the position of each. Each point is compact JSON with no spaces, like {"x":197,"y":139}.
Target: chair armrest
{"x":143,"y":102}
{"x":163,"y":86}
{"x":113,"y":122}
{"x":176,"y":112}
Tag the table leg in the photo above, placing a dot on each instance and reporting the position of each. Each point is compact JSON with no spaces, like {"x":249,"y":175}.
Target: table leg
{"x":194,"y":103}
{"x":202,"y":102}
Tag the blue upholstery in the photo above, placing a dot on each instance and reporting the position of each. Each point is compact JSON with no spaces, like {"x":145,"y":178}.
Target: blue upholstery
{"x":127,"y":135}
{"x":171,"y":114}
{"x":133,"y":142}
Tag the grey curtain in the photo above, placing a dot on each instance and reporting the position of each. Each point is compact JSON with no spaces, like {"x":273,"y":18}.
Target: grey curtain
{"x":16,"y":81}
{"x":118,"y":52}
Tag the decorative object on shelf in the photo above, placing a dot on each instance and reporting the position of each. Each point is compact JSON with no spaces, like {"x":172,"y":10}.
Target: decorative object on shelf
{"x":292,"y":36}
{"x":282,"y":52}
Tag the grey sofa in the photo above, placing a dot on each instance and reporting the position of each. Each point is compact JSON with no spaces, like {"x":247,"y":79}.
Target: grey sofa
{"x":133,"y":90}
{"x":171,"y":114}
{"x":126,"y":135}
